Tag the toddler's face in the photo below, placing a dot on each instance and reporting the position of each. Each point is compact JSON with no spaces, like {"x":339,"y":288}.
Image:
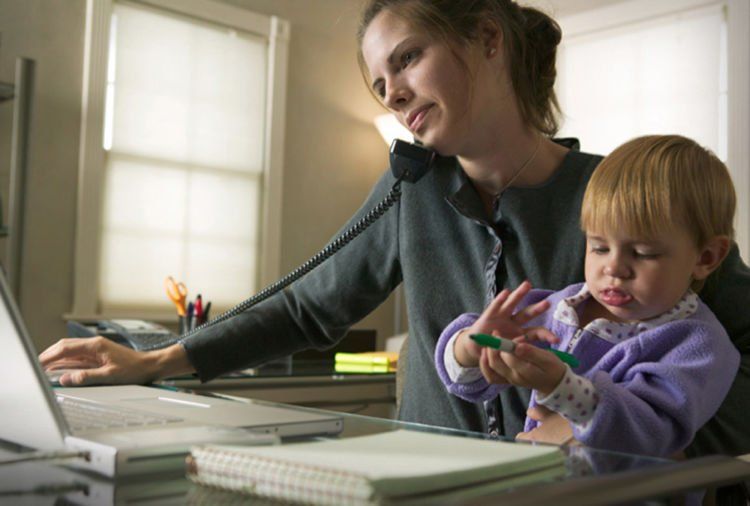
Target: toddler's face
{"x":637,"y":279}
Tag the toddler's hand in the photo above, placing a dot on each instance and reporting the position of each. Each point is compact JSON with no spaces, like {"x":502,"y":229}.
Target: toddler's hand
{"x":500,"y":319}
{"x":528,"y":366}
{"x":500,"y":315}
{"x":553,"y":427}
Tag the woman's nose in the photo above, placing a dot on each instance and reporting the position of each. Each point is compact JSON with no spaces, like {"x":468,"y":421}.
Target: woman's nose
{"x":397,"y":95}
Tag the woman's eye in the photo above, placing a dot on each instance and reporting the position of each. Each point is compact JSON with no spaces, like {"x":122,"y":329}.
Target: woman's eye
{"x":409,"y":57}
{"x":599,"y":250}
{"x":378,"y":88}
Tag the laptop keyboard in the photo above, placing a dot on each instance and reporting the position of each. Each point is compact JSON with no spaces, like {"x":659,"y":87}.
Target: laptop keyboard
{"x":83,"y":415}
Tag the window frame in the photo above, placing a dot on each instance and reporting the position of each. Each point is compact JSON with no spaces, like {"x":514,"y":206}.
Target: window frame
{"x":737,"y":14}
{"x":92,"y":155}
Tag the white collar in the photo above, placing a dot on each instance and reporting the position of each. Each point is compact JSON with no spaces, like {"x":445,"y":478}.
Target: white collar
{"x":615,"y":332}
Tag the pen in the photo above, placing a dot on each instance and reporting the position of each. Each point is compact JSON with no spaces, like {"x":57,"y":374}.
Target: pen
{"x":189,"y":317}
{"x":198,"y":307}
{"x":498,"y":343}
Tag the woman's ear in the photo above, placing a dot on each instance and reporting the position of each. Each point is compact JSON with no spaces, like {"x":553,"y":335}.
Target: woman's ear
{"x":711,"y":256}
{"x":491,"y":38}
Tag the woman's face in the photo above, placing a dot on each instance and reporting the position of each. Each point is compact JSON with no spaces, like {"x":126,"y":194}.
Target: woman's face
{"x":422,"y":82}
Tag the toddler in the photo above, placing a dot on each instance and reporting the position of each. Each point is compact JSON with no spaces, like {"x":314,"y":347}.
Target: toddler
{"x":654,"y":362}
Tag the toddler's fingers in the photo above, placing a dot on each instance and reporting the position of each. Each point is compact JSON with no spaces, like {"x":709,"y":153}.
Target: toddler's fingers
{"x":540,"y":334}
{"x":504,"y":364}
{"x":490,"y":373}
{"x":497,"y":303}
{"x":525,"y":436}
{"x":539,"y":413}
{"x":541,"y":358}
{"x":530,"y":312}
{"x":515,"y":297}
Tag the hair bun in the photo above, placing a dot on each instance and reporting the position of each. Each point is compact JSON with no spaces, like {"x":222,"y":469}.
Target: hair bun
{"x":541,"y":29}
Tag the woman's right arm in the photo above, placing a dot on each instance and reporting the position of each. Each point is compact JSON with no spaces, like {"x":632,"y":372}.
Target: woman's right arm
{"x":98,"y":360}
{"x":314,"y":312}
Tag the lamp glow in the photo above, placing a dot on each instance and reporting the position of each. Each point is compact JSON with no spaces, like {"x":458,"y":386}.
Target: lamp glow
{"x":390,"y":129}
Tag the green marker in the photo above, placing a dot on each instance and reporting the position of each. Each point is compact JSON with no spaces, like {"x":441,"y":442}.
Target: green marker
{"x":498,"y":343}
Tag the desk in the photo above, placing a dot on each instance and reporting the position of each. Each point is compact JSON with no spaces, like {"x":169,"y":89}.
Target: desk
{"x":310,"y":383}
{"x":592,"y":478}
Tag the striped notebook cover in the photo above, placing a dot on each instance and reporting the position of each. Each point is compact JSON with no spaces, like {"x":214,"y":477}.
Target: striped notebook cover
{"x":367,"y":469}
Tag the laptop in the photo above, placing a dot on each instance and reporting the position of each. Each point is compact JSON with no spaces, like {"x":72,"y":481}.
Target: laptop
{"x":128,"y":429}
{"x":46,"y":483}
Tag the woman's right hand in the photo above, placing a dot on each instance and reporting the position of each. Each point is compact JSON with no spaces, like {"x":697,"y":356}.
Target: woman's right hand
{"x":97,"y":360}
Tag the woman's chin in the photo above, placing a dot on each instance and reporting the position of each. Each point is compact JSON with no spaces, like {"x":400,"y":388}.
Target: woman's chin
{"x":441,"y":147}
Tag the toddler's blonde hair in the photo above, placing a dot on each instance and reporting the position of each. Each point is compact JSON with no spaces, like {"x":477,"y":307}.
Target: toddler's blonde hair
{"x":654,"y":183}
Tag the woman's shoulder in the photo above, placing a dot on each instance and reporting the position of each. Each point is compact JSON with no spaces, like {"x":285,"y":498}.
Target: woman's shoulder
{"x":726,"y":292}
{"x":583,"y":161}
{"x":573,"y":172}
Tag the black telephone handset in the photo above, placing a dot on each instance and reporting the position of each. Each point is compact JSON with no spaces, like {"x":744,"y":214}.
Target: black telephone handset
{"x":409,"y":162}
{"x":137,"y":334}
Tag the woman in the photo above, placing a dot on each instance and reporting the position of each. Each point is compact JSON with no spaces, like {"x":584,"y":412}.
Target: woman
{"x":474,"y":81}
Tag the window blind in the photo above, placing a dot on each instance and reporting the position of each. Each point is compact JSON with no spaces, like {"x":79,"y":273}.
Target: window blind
{"x":660,"y":75}
{"x":184,"y":136}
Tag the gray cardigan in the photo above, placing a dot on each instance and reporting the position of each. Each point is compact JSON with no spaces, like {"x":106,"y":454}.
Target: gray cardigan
{"x":440,"y":243}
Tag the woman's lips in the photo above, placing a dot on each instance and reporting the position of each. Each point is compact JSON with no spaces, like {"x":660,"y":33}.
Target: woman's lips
{"x":417,"y":120}
{"x":615,"y":297}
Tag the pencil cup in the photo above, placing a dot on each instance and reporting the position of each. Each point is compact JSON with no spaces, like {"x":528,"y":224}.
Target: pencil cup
{"x":183,"y":324}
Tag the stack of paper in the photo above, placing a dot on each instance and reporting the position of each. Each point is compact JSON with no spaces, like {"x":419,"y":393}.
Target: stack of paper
{"x":369,"y":469}
{"x":369,"y":362}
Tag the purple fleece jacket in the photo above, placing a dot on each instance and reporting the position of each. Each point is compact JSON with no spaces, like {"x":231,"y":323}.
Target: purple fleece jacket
{"x":655,"y":389}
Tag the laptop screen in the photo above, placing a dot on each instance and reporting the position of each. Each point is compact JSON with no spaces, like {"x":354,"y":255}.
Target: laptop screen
{"x":30,"y":414}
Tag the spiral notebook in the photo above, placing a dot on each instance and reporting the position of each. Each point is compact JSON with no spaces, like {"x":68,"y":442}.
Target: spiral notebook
{"x":389,"y":466}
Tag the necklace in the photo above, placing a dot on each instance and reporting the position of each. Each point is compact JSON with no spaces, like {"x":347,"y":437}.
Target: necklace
{"x":522,"y":167}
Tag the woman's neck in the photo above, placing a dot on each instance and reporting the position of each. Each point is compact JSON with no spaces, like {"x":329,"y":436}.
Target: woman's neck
{"x":527,"y":159}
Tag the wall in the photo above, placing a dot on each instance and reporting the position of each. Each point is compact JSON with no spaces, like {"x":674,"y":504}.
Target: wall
{"x":52,"y":33}
{"x":333,"y":153}
{"x":566,"y":7}
{"x":332,"y":149}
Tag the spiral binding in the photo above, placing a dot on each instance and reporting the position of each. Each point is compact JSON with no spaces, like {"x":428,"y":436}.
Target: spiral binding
{"x":394,"y":195}
{"x":276,"y":479}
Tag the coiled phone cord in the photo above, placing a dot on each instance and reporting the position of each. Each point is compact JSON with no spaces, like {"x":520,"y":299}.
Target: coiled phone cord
{"x":394,"y":195}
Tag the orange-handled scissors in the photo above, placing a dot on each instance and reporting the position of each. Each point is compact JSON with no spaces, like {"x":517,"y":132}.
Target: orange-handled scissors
{"x":177,"y":293}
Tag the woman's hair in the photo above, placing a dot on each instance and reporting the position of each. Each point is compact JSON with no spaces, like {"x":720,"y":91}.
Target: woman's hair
{"x":530,"y":39}
{"x":657,"y":182}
